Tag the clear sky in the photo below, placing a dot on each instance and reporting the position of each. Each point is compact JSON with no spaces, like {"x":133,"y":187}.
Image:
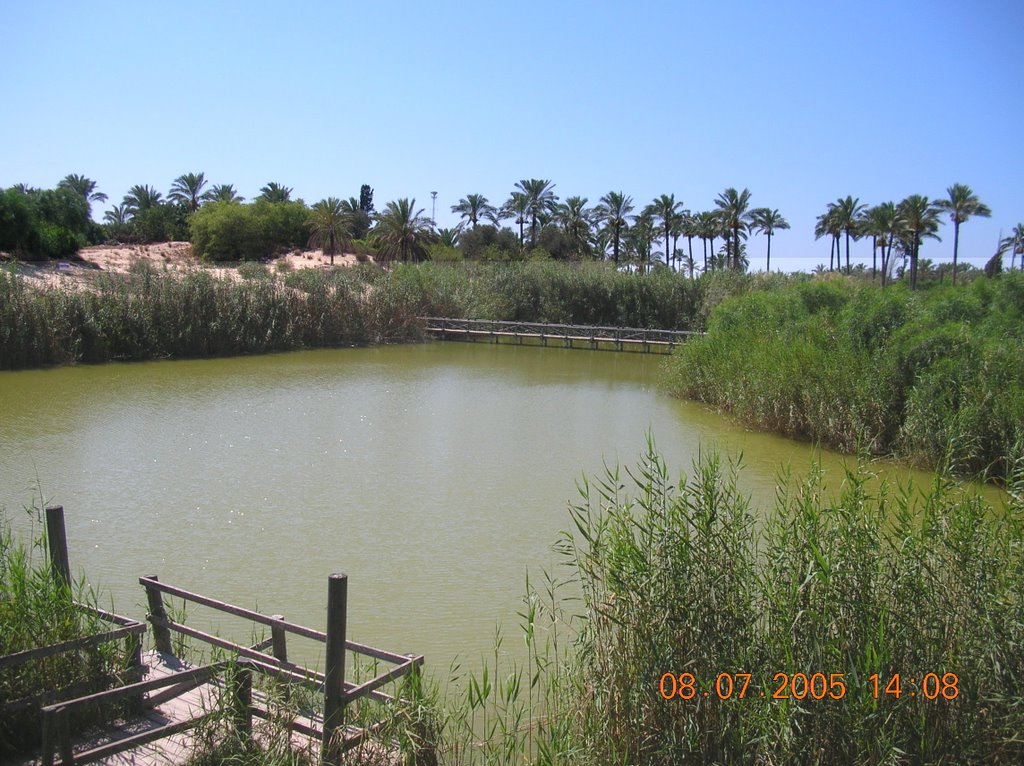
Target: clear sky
{"x":801,"y":102}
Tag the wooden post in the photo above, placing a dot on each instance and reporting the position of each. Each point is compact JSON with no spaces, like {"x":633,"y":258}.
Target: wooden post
{"x":279,"y":642}
{"x":67,"y":755}
{"x":241,"y":699}
{"x":334,"y":683}
{"x":161,"y":634}
{"x":56,"y":537}
{"x":279,"y":639}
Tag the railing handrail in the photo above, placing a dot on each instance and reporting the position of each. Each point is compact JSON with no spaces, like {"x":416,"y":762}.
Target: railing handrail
{"x":554,"y":326}
{"x":269,"y":620}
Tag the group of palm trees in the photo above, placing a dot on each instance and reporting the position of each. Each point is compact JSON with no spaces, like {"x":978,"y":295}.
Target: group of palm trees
{"x":610,"y":228}
{"x":903,"y":226}
{"x":611,"y":225}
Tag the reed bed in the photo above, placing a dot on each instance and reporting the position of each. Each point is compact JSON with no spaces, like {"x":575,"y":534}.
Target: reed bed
{"x":933,"y":378}
{"x":681,"y":576}
{"x":157,"y":314}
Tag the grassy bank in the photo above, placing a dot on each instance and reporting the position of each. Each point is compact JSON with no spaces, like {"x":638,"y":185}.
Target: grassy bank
{"x":934,"y":378}
{"x":677,"y":578}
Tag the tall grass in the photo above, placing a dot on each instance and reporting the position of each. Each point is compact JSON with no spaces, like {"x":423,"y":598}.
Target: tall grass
{"x":37,"y":609}
{"x":934,"y":378}
{"x":153,"y":314}
{"x":682,"y":576}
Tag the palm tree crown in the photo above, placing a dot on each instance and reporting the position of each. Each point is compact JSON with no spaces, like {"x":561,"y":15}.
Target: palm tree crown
{"x":85,"y":187}
{"x":733,"y":206}
{"x":575,"y":220}
{"x":222,"y":193}
{"x":402,"y":231}
{"x":275,"y":192}
{"x":188,"y":190}
{"x":474,"y":207}
{"x":540,"y":201}
{"x":141,"y":198}
{"x":961,"y":204}
{"x":613,"y":212}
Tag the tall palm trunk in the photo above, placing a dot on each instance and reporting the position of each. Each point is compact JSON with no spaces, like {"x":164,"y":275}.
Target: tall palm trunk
{"x":956,"y":245}
{"x":768,"y":263}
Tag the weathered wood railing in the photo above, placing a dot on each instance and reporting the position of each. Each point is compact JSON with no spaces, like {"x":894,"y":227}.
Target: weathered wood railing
{"x":337,"y":692}
{"x":130,"y":629}
{"x":57,"y":737}
{"x":570,"y":336}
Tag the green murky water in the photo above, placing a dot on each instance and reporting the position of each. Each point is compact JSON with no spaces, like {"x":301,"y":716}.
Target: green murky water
{"x":434,"y":475}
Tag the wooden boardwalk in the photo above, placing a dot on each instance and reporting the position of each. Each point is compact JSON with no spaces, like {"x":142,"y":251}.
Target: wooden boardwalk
{"x":563,"y":335}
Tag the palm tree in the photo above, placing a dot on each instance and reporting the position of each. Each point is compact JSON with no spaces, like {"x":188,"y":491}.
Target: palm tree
{"x":275,"y":192}
{"x":846,"y":212}
{"x":474,"y":207}
{"x":767,"y":221}
{"x":686,"y":226}
{"x":709,"y":225}
{"x":188,"y":190}
{"x":879,"y":223}
{"x":668,"y":211}
{"x":516,"y":206}
{"x":118,"y":216}
{"x":84,"y":187}
{"x":640,"y":238}
{"x":574,"y":218}
{"x":329,"y":226}
{"x":141,"y":198}
{"x":449,"y":237}
{"x":222,"y":193}
{"x":402,"y":231}
{"x":612,"y":212}
{"x":828,"y":223}
{"x":1014,"y":245}
{"x":920,"y":219}
{"x":961,"y":205}
{"x":358,"y":219}
{"x":733,"y":206}
{"x":541,"y":200}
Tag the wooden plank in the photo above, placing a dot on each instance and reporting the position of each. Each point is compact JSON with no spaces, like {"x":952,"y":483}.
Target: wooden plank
{"x":237,"y":611}
{"x":19,"y":658}
{"x":384,"y":678}
{"x":223,"y":643}
{"x":135,"y":740}
{"x":205,"y":673}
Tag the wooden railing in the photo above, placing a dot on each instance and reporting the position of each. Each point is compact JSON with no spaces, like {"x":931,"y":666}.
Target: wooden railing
{"x":571,"y":336}
{"x":56,"y":733}
{"x":337,"y":692}
{"x":130,"y":629}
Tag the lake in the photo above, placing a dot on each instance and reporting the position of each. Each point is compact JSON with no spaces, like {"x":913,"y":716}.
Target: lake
{"x":434,"y":475}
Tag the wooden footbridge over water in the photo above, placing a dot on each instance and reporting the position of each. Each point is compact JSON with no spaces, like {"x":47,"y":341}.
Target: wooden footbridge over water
{"x":166,"y":698}
{"x":563,"y":335}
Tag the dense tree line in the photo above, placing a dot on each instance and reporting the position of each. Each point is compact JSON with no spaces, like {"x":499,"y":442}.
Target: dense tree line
{"x":222,"y":226}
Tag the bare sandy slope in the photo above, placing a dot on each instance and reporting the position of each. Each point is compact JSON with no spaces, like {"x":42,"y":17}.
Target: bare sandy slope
{"x":172,"y":255}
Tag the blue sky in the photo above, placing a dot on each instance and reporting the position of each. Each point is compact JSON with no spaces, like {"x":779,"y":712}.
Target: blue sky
{"x":801,"y":102}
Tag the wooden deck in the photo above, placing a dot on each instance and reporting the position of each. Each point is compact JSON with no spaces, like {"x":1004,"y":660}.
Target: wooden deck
{"x":563,"y":335}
